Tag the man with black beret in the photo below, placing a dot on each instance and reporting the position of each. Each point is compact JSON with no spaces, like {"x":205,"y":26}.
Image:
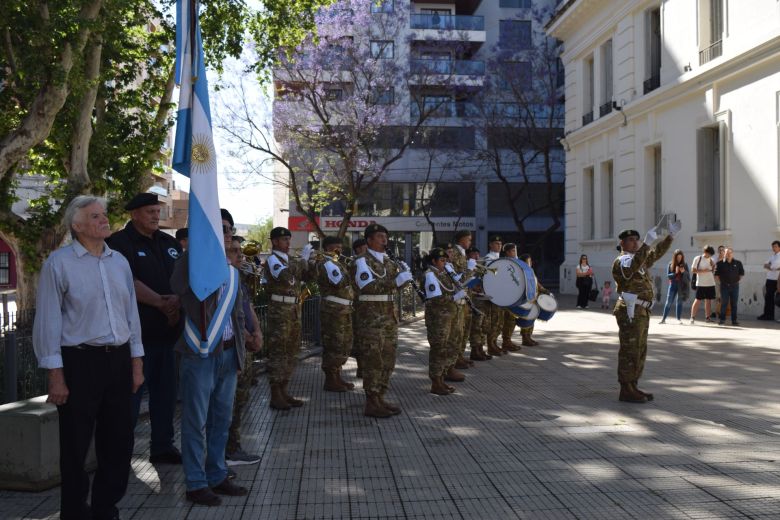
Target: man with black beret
{"x":152,"y":255}
{"x":440,"y":319}
{"x":378,"y":279}
{"x":461,"y":269}
{"x":631,"y":272}
{"x":284,"y":275}
{"x":492,"y":320}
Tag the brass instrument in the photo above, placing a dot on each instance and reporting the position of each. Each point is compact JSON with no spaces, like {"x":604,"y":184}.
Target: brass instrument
{"x":482,"y":270}
{"x":462,"y":287}
{"x":416,"y":287}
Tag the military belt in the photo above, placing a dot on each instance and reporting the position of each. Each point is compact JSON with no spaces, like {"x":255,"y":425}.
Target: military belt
{"x":375,"y":297}
{"x":283,"y":299}
{"x":336,"y":299}
{"x":642,"y":303}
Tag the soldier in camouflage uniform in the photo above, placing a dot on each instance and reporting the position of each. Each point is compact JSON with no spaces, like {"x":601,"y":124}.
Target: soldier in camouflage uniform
{"x":359,"y":247}
{"x":440,"y":323}
{"x":492,"y":320}
{"x":477,"y":328}
{"x":632,"y":310}
{"x":526,"y":332}
{"x":464,"y":269}
{"x":337,"y":295}
{"x":378,"y":279}
{"x":508,"y":319}
{"x":284,"y":274}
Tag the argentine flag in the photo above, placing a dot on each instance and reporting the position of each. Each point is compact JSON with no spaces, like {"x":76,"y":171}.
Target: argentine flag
{"x":195,"y":157}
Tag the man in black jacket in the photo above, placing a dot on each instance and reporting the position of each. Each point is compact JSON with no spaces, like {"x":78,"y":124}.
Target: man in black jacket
{"x":729,"y":272}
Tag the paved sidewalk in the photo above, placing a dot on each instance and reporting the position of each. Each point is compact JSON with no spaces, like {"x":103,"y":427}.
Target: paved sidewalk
{"x":539,"y":434}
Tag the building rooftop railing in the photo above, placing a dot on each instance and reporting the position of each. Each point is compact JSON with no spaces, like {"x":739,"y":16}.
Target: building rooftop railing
{"x":447,"y":22}
{"x":456,"y":67}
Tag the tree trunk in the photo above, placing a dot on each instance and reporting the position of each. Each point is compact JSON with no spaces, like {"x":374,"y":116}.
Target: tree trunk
{"x":82,"y":128}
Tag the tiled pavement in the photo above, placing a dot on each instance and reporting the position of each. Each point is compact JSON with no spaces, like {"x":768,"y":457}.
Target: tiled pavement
{"x":538,"y":434}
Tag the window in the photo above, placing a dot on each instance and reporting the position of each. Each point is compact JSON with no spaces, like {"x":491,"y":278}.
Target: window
{"x":711,"y":179}
{"x":444,"y":199}
{"x":5,"y":268}
{"x":607,"y":200}
{"x":382,"y":49}
{"x":606,"y":78}
{"x":588,"y":94}
{"x":382,"y":200}
{"x":560,"y":73}
{"x":515,"y":75}
{"x":656,"y":170}
{"x":527,"y":197}
{"x":382,"y":6}
{"x":588,"y":215}
{"x":334,"y":94}
{"x":652,"y":50}
{"x":514,"y":34}
{"x":515,"y":3}
{"x":444,"y":137}
{"x":711,"y":25}
{"x":383,"y":96}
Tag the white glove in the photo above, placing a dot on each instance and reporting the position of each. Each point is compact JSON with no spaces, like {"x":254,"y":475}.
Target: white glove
{"x":675,"y":227}
{"x":471,"y":264}
{"x":306,"y":252}
{"x":448,"y":267}
{"x":458,"y":296}
{"x":651,"y":236}
{"x":403,"y":265}
{"x":402,"y":278}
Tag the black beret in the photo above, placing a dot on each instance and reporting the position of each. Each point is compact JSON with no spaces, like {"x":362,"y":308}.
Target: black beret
{"x":628,"y":233}
{"x":374,"y":228}
{"x":279,"y":232}
{"x":472,"y":249}
{"x":436,"y":253}
{"x":509,"y":246}
{"x":360,"y":242}
{"x":462,"y":234}
{"x":330,"y":241}
{"x":495,"y":238}
{"x":446,"y":245}
{"x":141,"y":200}
{"x":182,"y":233}
{"x":227,"y":216}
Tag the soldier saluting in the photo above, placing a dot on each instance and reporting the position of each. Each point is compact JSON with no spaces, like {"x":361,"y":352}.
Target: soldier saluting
{"x":632,"y":310}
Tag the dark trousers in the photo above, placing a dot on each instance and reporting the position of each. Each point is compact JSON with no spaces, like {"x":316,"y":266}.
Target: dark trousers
{"x":583,"y":289}
{"x":769,"y":299}
{"x":729,"y":294}
{"x":160,"y":381}
{"x":100,"y":402}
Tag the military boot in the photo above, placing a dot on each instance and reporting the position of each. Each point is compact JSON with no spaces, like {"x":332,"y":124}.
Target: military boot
{"x":374,"y":408}
{"x":454,"y":376}
{"x":527,"y":340}
{"x":278,"y":401}
{"x":438,"y":387}
{"x":333,"y":382}
{"x":493,"y":349}
{"x":461,"y":363}
{"x":345,"y":384}
{"x":477,"y":354}
{"x":629,"y":394}
{"x":392,"y":407}
{"x":646,"y":394}
{"x":295,"y":403}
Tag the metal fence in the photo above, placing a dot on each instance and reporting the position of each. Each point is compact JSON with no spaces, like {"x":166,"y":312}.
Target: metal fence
{"x":22,"y":379}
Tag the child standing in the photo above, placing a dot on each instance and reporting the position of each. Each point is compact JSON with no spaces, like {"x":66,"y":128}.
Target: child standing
{"x":606,"y":294}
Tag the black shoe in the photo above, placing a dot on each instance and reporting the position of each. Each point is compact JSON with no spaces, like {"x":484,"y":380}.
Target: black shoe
{"x":721,"y":322}
{"x":228,"y":488}
{"x":169,"y":457}
{"x":765,"y":318}
{"x":735,"y":323}
{"x":203,"y":496}
{"x":231,"y":474}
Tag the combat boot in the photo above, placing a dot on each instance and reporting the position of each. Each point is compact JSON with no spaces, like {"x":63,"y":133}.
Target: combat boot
{"x":454,"y":376}
{"x":493,"y":349}
{"x":333,"y":382}
{"x":345,"y":384}
{"x":477,"y":354}
{"x":629,"y":394}
{"x":278,"y":401}
{"x":374,"y":408}
{"x":646,"y":394}
{"x":295,"y":403}
{"x":461,"y":363}
{"x":391,"y":407}
{"x":438,"y":387}
{"x":527,"y":340}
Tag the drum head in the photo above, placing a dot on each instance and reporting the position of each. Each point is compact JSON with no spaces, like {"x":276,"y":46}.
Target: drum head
{"x":506,"y":286}
{"x":547,"y":302}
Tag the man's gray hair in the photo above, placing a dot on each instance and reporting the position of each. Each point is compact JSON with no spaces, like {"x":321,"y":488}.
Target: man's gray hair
{"x":80,"y":202}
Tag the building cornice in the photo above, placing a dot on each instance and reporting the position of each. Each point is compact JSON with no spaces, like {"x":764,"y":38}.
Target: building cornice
{"x":684,"y":86}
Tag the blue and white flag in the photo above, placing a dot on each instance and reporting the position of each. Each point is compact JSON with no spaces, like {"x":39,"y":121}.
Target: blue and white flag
{"x":195,"y":157}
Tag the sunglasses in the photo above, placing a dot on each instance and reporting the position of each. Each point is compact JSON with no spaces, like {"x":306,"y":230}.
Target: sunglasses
{"x":228,"y":229}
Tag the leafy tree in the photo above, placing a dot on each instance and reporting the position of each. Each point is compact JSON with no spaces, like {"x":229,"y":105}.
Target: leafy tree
{"x":261,"y":232}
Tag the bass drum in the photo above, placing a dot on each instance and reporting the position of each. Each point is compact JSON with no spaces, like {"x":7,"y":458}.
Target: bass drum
{"x":547,"y":306}
{"x":509,"y":282}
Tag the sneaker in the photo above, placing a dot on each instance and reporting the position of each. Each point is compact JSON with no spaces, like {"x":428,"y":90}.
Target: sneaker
{"x":735,"y":323}
{"x":709,"y":320}
{"x":662,"y":322}
{"x":679,"y":322}
{"x":579,"y":306}
{"x":204,"y":497}
{"x":693,"y":321}
{"x":241,"y":458}
{"x":721,"y":322}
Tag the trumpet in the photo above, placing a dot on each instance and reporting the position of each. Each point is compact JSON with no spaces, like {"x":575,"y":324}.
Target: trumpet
{"x":482,"y":270}
{"x":462,"y":287}
{"x":332,"y":256}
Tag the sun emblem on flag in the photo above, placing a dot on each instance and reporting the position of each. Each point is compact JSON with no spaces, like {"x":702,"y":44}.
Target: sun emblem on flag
{"x":203,"y":156}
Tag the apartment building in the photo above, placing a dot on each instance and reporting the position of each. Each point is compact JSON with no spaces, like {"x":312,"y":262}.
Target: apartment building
{"x":455,"y":40}
{"x":672,"y":106}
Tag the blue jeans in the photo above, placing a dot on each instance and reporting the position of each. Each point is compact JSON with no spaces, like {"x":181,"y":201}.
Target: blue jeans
{"x":208,"y":386}
{"x":674,"y":292}
{"x":160,"y":381}
{"x":729,"y":293}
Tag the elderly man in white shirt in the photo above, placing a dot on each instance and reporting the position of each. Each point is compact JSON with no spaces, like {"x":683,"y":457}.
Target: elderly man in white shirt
{"x":87,"y":334}
{"x":772,"y":267}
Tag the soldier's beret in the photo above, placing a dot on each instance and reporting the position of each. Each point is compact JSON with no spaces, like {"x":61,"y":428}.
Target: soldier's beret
{"x":628,"y":233}
{"x":279,"y":232}
{"x":360,"y":242}
{"x":227,"y":216}
{"x":462,"y":234}
{"x":331,"y":241}
{"x":508,"y":247}
{"x":141,"y":200}
{"x":446,"y":245}
{"x":436,"y":253}
{"x":472,"y":249}
{"x":374,"y":228}
{"x":494,"y":238}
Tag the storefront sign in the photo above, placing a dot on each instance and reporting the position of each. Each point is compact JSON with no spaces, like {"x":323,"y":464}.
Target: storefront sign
{"x":298,"y":223}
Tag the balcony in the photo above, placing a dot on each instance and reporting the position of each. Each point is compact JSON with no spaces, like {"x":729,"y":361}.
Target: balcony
{"x":461,"y":109}
{"x":538,"y":115}
{"x":461,"y":6}
{"x":651,"y":84}
{"x":587,"y":118}
{"x":605,"y":109}
{"x":448,"y":28}
{"x":710,"y":53}
{"x":447,"y":72}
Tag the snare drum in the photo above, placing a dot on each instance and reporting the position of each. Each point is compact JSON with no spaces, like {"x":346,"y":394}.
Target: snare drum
{"x":530,"y":316}
{"x":547,"y":306}
{"x":509,"y":282}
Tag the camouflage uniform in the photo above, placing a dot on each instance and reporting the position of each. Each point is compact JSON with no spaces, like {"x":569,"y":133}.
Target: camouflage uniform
{"x":508,"y":322}
{"x":460,"y":264}
{"x":377,"y":335}
{"x":440,"y":324}
{"x":283,"y":336}
{"x":631,"y":275}
{"x":478,"y":328}
{"x":335,"y":316}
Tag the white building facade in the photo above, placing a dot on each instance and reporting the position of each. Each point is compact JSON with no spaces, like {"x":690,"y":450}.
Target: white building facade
{"x":672,"y":106}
